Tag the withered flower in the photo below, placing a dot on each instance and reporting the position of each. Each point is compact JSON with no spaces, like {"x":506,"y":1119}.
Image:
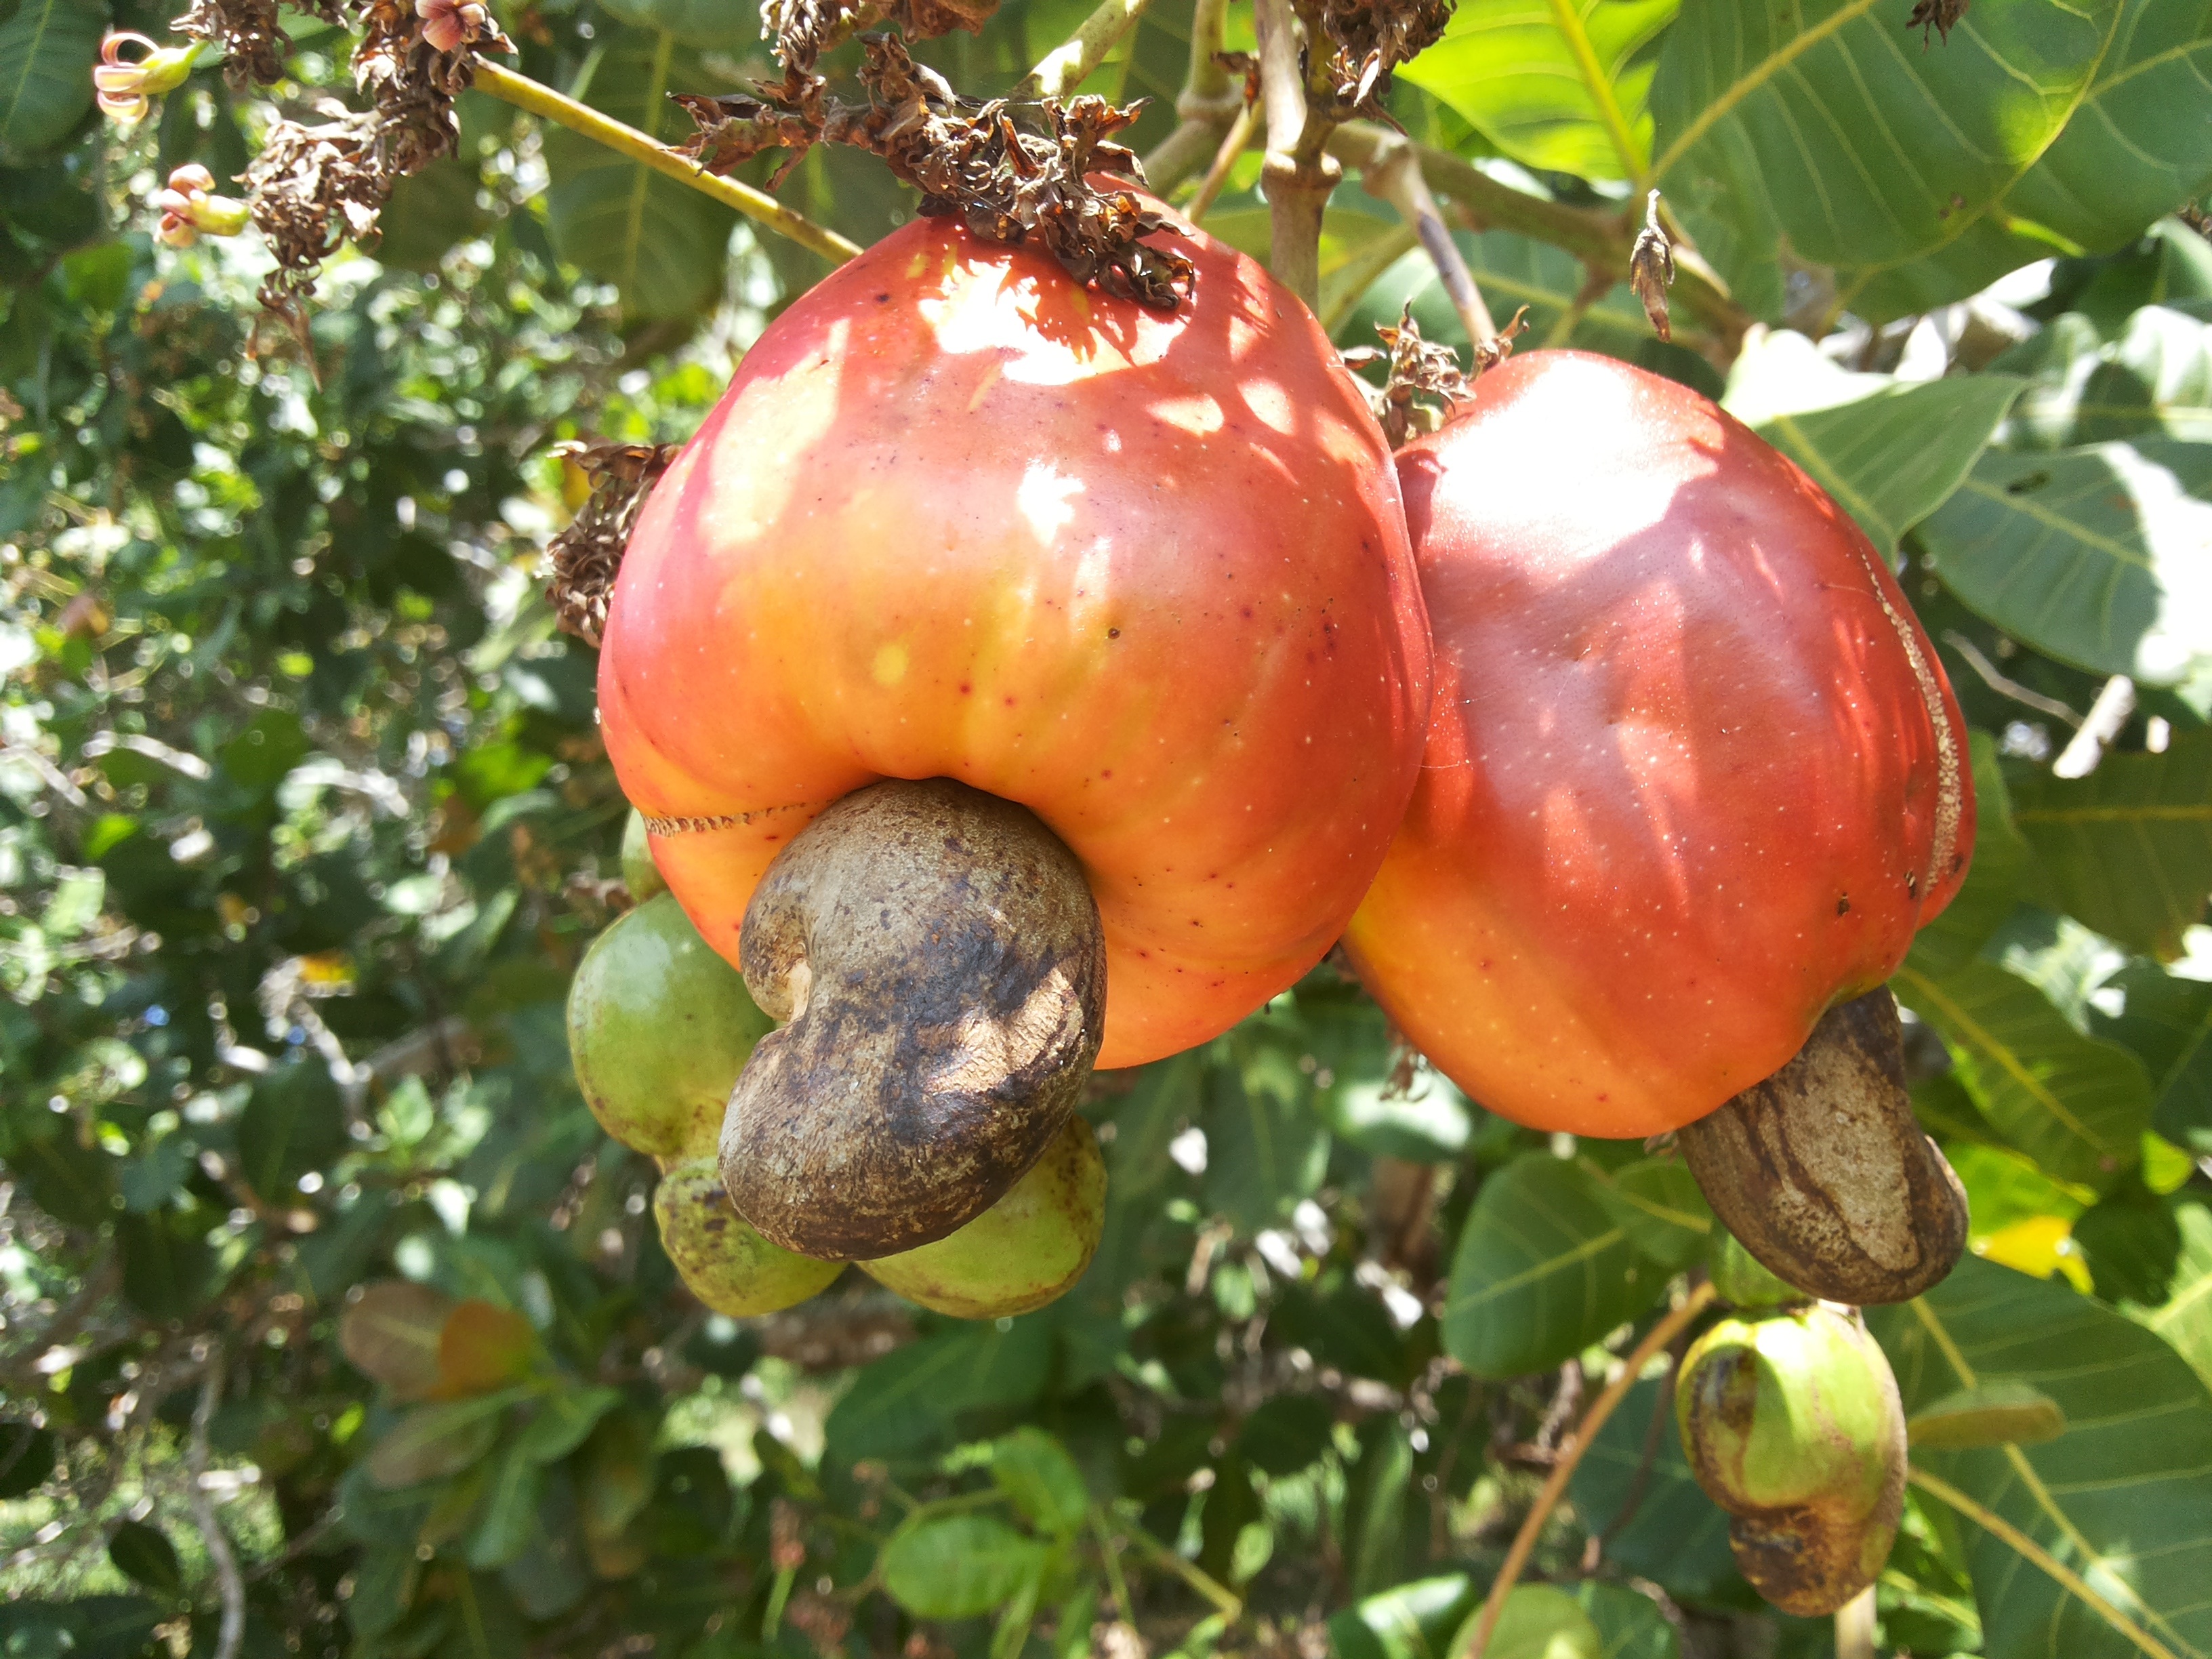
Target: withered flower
{"x":124,"y":88}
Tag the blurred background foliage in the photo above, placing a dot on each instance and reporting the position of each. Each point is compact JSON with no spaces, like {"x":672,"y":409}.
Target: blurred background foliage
{"x":333,"y":1325}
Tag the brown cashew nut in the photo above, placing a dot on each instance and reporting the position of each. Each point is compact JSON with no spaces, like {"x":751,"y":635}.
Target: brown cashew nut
{"x":939,"y":962}
{"x":1822,"y":1171}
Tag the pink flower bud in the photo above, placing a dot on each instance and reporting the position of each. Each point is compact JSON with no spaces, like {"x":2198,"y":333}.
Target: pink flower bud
{"x":449,"y":25}
{"x":126,"y":86}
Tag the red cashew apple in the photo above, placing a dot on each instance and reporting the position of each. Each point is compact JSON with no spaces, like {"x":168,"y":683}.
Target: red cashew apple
{"x":1145,"y":573}
{"x":1694,"y":775}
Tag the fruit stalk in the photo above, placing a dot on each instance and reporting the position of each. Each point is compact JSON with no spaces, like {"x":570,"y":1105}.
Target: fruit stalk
{"x":1299,"y":173}
{"x":541,"y":100}
{"x":1571,"y":1454}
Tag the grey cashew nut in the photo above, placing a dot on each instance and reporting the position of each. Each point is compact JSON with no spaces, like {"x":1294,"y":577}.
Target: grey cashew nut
{"x":939,"y":959}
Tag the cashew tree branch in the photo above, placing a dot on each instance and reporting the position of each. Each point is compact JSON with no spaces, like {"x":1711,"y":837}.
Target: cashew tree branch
{"x":1299,"y":173}
{"x":759,"y":206}
{"x":1599,"y":238}
{"x":1064,"y":68}
{"x":1209,"y":102}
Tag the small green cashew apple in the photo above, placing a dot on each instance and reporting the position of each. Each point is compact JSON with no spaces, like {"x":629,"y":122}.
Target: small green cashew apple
{"x":639,"y":874}
{"x":658,"y":1028}
{"x":1793,"y":1424}
{"x":1027,"y":1249}
{"x":727,"y":1265}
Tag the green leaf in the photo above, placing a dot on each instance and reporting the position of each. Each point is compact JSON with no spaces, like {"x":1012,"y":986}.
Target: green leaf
{"x":1890,"y":453}
{"x":955,"y":1566}
{"x":2091,"y":556}
{"x":295,"y":1123}
{"x":1286,"y":1433}
{"x":561,"y":1421}
{"x":1037,"y":1474}
{"x":663,"y":244}
{"x":1994,"y":1415}
{"x":26,"y":1457}
{"x":1409,"y":1622}
{"x":2131,"y":1241}
{"x":144,"y":1555}
{"x":1266,"y":1147}
{"x":2076,"y":1106}
{"x":429,"y":1442}
{"x":905,"y":1401}
{"x":1558,"y":85}
{"x":508,"y":1519}
{"x":1675,"y":1534}
{"x":1538,"y":1621}
{"x":47,"y":50}
{"x":2155,"y":381}
{"x":166,"y":1264}
{"x":1542,"y":1271}
{"x":2122,"y":1497}
{"x":2127,"y":849}
{"x":1656,"y":1201}
{"x":2165,"y":1022}
{"x":1824,"y":128}
{"x":708,"y":23}
{"x":2184,"y":1318}
{"x":1629,"y":1623}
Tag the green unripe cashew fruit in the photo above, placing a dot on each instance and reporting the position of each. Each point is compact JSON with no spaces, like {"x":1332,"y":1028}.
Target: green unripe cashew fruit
{"x":659,"y":1028}
{"x":1792,"y":1423}
{"x":726,"y":1263}
{"x":639,"y":874}
{"x":1027,"y":1249}
{"x":1744,"y":1282}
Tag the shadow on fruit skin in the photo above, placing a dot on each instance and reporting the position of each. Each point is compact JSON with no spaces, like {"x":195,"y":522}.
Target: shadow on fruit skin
{"x":1675,"y":706}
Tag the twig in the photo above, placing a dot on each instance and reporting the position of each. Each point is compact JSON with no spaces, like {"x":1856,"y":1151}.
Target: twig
{"x":540,"y":99}
{"x":2004,"y":686}
{"x":1225,"y":1600}
{"x":2103,"y":723}
{"x":1232,"y":146}
{"x":233,"y":1630}
{"x":1570,"y":1453}
{"x":1394,"y":175}
{"x":1599,"y":238}
{"x":2067,"y":1579}
{"x":1298,"y":173}
{"x":1066,"y":67}
{"x":1209,"y":101}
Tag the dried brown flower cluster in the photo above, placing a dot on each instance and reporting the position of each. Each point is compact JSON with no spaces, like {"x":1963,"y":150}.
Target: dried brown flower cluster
{"x":317,"y":185}
{"x":1008,"y":184}
{"x":254,"y":45}
{"x":804,"y":29}
{"x":1369,"y":39}
{"x":587,"y":557}
{"x":1423,"y":379}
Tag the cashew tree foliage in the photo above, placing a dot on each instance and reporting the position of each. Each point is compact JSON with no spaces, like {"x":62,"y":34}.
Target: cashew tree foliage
{"x":331,"y":1323}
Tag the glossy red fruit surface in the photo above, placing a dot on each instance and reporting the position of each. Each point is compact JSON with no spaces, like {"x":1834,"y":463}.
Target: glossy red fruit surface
{"x":1145,"y":573}
{"x":1693,"y":773}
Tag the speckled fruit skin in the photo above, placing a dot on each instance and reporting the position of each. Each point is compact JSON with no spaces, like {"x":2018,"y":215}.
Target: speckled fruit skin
{"x":1027,"y":1249}
{"x":720,"y":1257}
{"x":1145,"y":573}
{"x":659,"y":1028}
{"x":1693,"y":774}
